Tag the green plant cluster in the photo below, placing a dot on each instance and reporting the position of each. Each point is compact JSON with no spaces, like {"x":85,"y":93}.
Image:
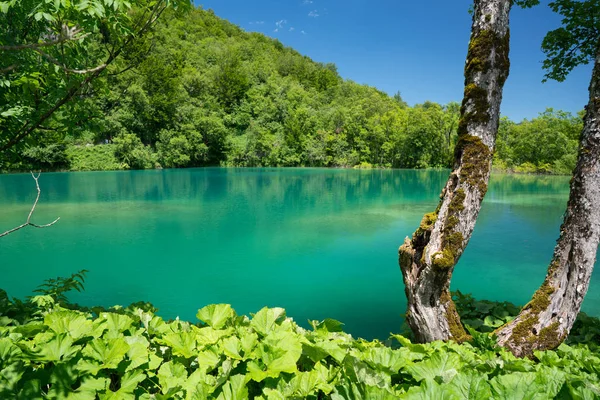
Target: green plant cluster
{"x":52,"y":349}
{"x":546,"y":144}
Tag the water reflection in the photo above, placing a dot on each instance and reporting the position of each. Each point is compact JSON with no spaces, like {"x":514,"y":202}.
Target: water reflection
{"x":320,"y":242}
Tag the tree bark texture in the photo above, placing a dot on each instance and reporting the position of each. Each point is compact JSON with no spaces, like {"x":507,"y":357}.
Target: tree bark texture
{"x":428,"y":259}
{"x":547,"y":319}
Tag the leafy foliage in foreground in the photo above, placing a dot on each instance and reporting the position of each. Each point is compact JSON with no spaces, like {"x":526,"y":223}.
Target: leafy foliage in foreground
{"x":58,"y":351}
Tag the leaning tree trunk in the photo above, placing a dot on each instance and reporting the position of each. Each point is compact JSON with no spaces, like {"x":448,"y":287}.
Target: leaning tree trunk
{"x":547,"y":319}
{"x":427,"y":261}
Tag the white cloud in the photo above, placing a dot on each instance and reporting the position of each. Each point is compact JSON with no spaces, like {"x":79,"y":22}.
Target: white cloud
{"x":280,"y":23}
{"x":302,"y":32}
{"x":292,"y":29}
{"x":313,"y":14}
{"x":307,"y":2}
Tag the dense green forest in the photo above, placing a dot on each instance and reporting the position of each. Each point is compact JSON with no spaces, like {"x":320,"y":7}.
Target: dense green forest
{"x":201,"y":91}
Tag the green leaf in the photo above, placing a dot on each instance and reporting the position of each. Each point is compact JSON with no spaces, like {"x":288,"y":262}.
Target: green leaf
{"x":60,"y":348}
{"x":384,"y":358}
{"x":216,"y":315}
{"x":551,"y":379}
{"x":327,"y":325}
{"x":138,"y":352}
{"x":88,"y":389}
{"x":208,"y":335}
{"x":518,"y":385}
{"x":470,"y":385}
{"x":280,"y":352}
{"x":209,"y":359}
{"x":429,"y":390}
{"x":73,"y":323}
{"x":439,"y":365}
{"x":171,"y":375}
{"x":265,"y":321}
{"x":108,"y":352}
{"x":182,"y":343}
{"x":231,"y":347}
{"x":118,"y":323}
{"x":234,"y":389}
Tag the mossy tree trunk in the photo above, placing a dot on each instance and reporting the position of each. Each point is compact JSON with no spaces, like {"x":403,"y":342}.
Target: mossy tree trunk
{"x":428,"y":259}
{"x":547,"y":319}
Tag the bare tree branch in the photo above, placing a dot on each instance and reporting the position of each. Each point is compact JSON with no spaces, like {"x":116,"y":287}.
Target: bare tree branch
{"x":28,"y":222}
{"x":8,"y":69}
{"x":73,"y":71}
{"x":67,"y":34}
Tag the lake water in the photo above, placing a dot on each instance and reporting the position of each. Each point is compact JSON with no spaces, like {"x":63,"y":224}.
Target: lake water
{"x":319,"y":242}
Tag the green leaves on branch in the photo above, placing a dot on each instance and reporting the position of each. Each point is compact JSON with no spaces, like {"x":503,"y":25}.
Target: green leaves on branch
{"x":576,"y":42}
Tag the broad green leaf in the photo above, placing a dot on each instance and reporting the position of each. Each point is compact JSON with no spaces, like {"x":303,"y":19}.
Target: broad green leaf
{"x":256,"y":372}
{"x":360,"y":372}
{"x":384,"y":358}
{"x":182,"y":343}
{"x":265,"y":321}
{"x":118,"y":322}
{"x":73,"y":323}
{"x":439,"y":365}
{"x":327,"y":325}
{"x":130,"y":381}
{"x":582,"y":390}
{"x":354,"y":391}
{"x":8,"y":351}
{"x":60,"y":348}
{"x":108,"y":352}
{"x":471,"y":386}
{"x":248,"y":340}
{"x":280,"y":352}
{"x":209,"y":359}
{"x":138,"y":351}
{"x":551,"y":379}
{"x":231,"y":347}
{"x":208,"y":335}
{"x":88,"y":389}
{"x":517,"y":385}
{"x":171,"y":375}
{"x":199,"y":385}
{"x":429,"y":390}
{"x":234,"y":389}
{"x":216,"y":315}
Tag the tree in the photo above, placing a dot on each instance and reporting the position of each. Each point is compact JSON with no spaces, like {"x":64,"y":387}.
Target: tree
{"x":52,"y":51}
{"x":428,"y":259}
{"x":547,"y":319}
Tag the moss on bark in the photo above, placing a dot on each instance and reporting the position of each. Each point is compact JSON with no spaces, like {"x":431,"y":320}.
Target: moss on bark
{"x":456,"y":328}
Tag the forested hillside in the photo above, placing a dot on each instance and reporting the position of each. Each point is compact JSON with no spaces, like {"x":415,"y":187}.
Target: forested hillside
{"x":202,"y":91}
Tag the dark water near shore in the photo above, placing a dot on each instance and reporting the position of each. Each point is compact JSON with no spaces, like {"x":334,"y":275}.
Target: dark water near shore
{"x":318,"y":242}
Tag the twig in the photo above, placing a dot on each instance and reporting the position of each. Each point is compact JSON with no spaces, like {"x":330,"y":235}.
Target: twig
{"x":28,"y":222}
{"x":67,"y":34}
{"x":74,"y":71}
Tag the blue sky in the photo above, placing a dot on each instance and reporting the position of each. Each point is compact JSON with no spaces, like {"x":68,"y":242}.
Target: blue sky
{"x":416,"y":47}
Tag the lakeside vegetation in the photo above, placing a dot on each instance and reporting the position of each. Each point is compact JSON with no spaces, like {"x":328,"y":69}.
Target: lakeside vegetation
{"x":52,"y":348}
{"x":206,"y":92}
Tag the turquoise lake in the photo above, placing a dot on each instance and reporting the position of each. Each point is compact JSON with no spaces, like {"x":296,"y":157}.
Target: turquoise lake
{"x":321,"y":243}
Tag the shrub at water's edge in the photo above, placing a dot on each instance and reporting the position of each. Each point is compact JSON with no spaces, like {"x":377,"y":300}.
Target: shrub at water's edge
{"x":49,"y":347}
